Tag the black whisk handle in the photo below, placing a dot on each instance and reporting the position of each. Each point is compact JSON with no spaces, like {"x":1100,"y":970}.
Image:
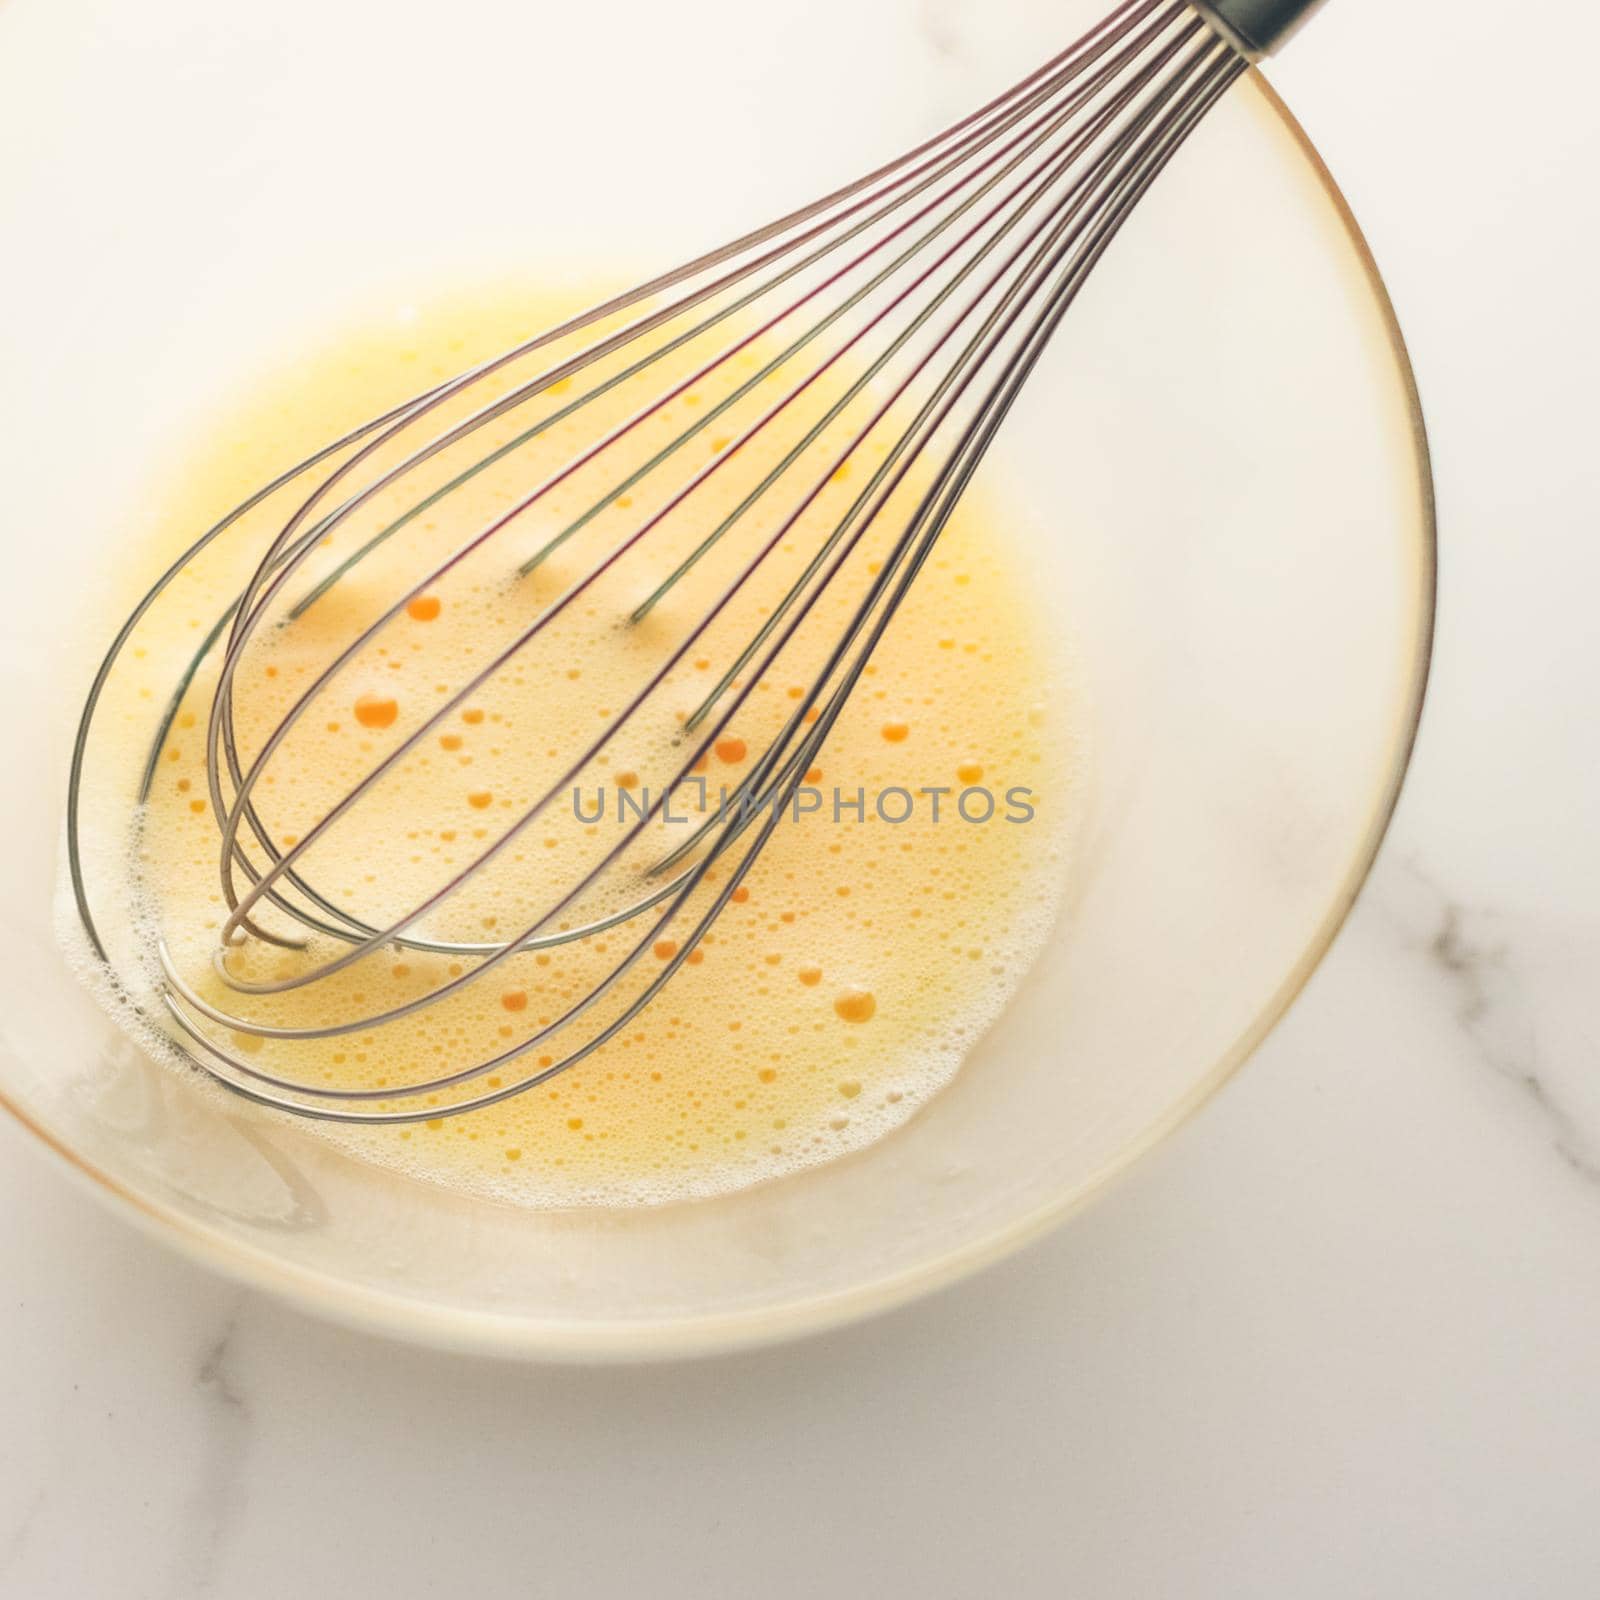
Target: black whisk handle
{"x":1258,"y":27}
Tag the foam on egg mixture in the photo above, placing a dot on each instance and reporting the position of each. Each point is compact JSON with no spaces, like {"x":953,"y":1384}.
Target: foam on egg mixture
{"x":882,"y":928}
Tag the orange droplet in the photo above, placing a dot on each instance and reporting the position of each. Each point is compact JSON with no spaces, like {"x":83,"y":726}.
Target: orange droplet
{"x":424,"y":608}
{"x":969,"y":772}
{"x":730,"y":750}
{"x":695,"y":957}
{"x":665,"y":949}
{"x":515,"y":999}
{"x":895,"y":732}
{"x":627,"y":780}
{"x":449,"y":741}
{"x":740,"y":895}
{"x":472,"y":715}
{"x":855,"y":1005}
{"x":376,"y":710}
{"x":810,"y":976}
{"x":479,"y":798}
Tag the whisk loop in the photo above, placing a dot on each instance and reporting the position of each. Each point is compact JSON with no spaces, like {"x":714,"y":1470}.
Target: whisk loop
{"x":881,"y":333}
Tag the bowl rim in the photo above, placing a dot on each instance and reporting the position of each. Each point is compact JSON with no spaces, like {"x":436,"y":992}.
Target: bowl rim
{"x":515,"y":1336}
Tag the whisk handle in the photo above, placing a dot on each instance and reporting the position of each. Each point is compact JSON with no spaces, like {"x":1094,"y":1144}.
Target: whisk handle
{"x":1258,"y":27}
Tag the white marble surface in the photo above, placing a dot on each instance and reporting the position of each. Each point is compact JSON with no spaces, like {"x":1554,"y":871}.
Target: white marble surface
{"x":1338,"y":1338}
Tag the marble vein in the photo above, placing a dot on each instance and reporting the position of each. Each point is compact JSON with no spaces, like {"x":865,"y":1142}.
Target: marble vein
{"x":16,"y":1543}
{"x":217,"y":1496}
{"x":1468,"y":946}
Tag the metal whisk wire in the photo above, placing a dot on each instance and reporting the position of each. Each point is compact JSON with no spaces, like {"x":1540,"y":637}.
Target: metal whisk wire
{"x":976,"y":244}
{"x":243,"y":626}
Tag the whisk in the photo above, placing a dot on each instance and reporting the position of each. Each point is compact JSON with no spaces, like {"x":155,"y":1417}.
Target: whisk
{"x":878,"y":336}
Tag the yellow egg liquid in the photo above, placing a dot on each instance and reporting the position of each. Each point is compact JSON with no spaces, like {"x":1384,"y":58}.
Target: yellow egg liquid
{"x":860,"y":957}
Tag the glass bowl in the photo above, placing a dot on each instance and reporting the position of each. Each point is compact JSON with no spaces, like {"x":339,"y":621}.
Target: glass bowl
{"x":1226,"y":482}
